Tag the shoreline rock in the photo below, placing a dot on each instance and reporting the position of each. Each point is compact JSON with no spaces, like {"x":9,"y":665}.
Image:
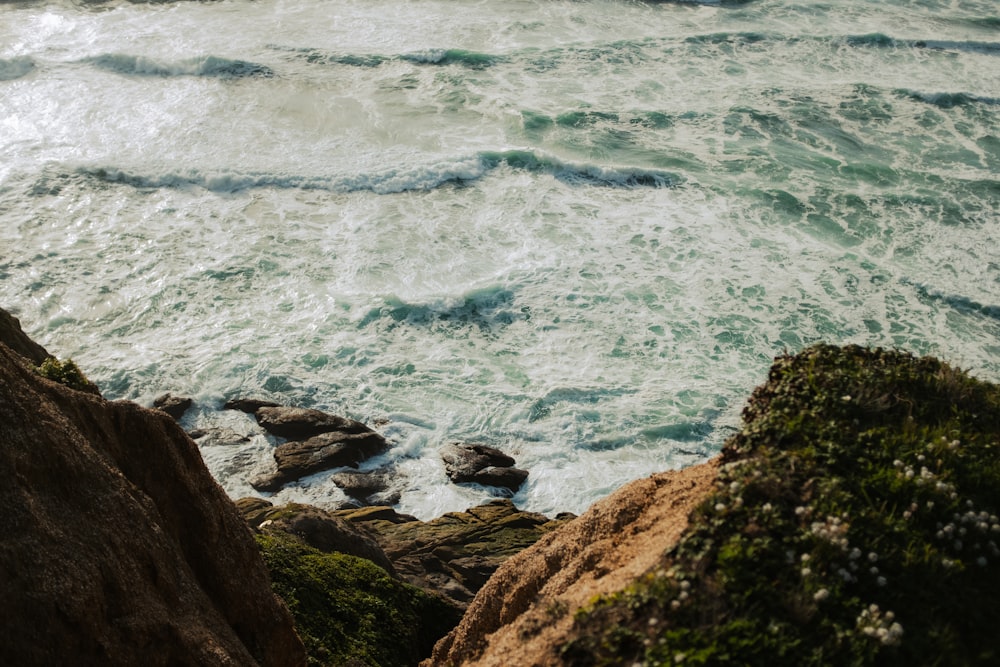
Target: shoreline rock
{"x":328,"y":450}
{"x":480,"y":464}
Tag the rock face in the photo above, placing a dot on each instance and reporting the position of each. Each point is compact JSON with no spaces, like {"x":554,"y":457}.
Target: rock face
{"x":480,"y":464}
{"x":527,"y":607}
{"x":116,"y":545}
{"x":12,"y":335}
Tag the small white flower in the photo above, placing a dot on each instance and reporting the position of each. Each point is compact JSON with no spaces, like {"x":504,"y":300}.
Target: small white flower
{"x":821,"y":595}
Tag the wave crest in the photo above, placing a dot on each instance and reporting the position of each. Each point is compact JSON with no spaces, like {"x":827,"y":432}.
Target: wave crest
{"x":395,"y":180}
{"x":209,"y":66}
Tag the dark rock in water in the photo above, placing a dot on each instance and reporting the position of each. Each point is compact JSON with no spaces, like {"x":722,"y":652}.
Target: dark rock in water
{"x":481,"y":465}
{"x":118,"y":547}
{"x":302,"y":423}
{"x":175,"y":406}
{"x":361,"y":485}
{"x":248,"y":405}
{"x":454,"y":554}
{"x":13,"y":337}
{"x":322,"y":452}
{"x":217,"y":436}
{"x":315,"y":527}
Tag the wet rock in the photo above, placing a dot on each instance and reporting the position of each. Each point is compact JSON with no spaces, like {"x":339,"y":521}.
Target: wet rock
{"x":322,"y":452}
{"x":303,"y":423}
{"x":248,"y":405}
{"x":480,"y":464}
{"x":361,"y":485}
{"x":175,"y":406}
{"x":217,"y":436}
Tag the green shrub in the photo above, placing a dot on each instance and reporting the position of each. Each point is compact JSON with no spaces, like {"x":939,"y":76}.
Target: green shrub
{"x":854,"y":523}
{"x":65,"y":372}
{"x":347,"y":610}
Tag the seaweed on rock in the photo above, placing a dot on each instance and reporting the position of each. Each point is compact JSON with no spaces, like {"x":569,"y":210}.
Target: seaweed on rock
{"x":854,"y":522}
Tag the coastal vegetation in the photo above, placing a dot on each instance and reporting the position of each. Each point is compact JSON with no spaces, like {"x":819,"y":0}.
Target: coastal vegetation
{"x":64,"y":372}
{"x":854,"y":521}
{"x":350,"y":611}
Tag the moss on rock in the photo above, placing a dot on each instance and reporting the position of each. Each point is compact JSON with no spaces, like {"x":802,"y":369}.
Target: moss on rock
{"x":66,"y":373}
{"x":854,"y":522}
{"x":349,"y":611}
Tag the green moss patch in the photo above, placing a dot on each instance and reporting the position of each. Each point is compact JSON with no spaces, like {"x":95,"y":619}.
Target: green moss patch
{"x":65,"y":372}
{"x":349,"y":611}
{"x":854,"y":522}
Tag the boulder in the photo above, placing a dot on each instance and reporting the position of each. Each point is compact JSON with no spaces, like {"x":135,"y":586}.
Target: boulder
{"x":175,"y":406}
{"x":118,"y":547}
{"x":303,"y":423}
{"x":322,"y":452}
{"x":361,"y":485}
{"x":217,"y":436}
{"x":480,"y":464}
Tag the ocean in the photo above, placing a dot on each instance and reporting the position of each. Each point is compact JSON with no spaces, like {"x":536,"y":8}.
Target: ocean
{"x":578,"y":231}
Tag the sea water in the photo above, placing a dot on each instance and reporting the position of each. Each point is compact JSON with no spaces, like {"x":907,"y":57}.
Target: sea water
{"x":578,"y":231}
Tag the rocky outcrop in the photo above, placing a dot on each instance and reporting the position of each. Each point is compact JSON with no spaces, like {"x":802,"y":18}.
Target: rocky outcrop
{"x":480,"y":464}
{"x":321,"y":452}
{"x":527,"y":607}
{"x":175,"y":406}
{"x":304,"y":423}
{"x":315,"y":527}
{"x":14,"y":337}
{"x":116,"y":545}
{"x":455,"y":554}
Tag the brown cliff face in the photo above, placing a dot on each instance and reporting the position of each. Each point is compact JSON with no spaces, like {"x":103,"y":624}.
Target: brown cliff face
{"x":526,"y":609}
{"x":116,"y":545}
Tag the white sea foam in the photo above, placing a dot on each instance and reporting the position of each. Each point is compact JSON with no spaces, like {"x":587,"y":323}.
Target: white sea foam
{"x":575,"y":231}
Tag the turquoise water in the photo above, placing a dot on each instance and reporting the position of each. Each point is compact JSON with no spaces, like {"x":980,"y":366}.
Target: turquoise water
{"x":577,"y":231}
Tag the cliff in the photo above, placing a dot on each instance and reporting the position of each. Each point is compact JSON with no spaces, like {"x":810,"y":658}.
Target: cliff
{"x":852,"y":521}
{"x":116,"y":545}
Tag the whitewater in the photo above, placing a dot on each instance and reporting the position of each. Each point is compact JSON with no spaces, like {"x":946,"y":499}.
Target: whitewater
{"x":578,"y":231}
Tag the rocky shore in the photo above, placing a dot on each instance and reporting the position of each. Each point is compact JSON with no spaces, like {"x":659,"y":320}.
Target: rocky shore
{"x":853,"y":520}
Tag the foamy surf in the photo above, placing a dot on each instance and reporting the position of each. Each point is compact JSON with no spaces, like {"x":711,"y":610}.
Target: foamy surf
{"x":577,"y":232}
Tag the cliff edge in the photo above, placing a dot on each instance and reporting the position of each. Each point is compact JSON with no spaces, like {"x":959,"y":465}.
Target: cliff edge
{"x":116,"y":545}
{"x":853,"y":520}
